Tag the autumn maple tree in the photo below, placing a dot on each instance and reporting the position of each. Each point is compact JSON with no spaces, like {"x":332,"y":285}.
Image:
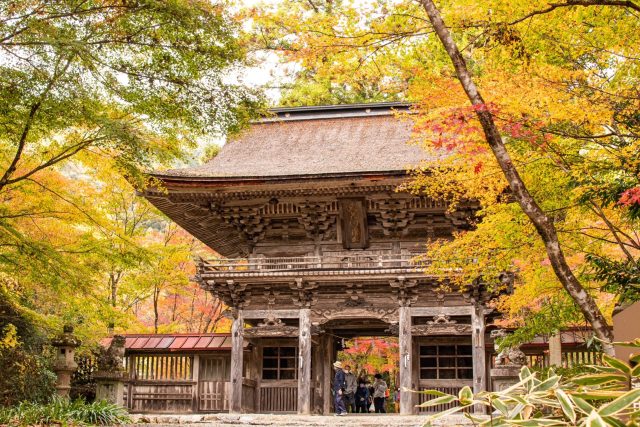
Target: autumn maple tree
{"x":551,"y":151}
{"x":93,"y":94}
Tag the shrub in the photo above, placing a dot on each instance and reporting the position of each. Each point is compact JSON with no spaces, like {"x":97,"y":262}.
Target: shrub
{"x":26,"y":375}
{"x":605,"y":396}
{"x":64,"y":411}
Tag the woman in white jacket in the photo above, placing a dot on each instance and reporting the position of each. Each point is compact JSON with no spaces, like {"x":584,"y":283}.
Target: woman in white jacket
{"x":379,"y":393}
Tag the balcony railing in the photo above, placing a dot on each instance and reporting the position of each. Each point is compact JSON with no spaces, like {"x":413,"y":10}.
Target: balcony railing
{"x":304,"y":263}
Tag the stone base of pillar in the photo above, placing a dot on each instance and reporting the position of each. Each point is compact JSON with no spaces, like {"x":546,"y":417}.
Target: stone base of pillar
{"x":504,"y":377}
{"x":63,"y":381}
{"x":110,"y":387}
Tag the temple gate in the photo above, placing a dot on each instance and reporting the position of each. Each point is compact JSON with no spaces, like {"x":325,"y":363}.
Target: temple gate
{"x":316,"y":239}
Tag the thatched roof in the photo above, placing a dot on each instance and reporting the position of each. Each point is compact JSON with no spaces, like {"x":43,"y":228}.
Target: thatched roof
{"x":312,"y":141}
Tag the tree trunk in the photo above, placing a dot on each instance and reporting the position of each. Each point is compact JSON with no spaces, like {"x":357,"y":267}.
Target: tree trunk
{"x":543,"y":224}
{"x":156,"y":298}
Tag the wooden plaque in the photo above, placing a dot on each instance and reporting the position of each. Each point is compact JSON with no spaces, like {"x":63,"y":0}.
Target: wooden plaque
{"x":353,"y":221}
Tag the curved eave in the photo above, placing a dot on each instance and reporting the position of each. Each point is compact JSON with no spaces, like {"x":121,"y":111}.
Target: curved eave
{"x":272,"y":179}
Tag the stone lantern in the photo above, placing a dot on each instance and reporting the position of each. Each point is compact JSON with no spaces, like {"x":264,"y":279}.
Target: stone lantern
{"x":65,"y":365}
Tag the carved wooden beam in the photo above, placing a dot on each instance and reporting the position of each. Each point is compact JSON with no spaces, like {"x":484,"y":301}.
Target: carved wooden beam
{"x":306,"y":292}
{"x":272,"y":326}
{"x":386,"y":314}
{"x":441,"y":325}
{"x":316,"y":220}
{"x":406,"y":291}
{"x":394,"y":217}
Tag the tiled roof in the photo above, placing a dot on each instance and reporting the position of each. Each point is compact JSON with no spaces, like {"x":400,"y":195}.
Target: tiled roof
{"x":175,"y":342}
{"x":305,"y":144}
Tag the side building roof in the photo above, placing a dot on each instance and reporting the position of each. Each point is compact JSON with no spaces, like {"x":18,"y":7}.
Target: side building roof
{"x":316,"y":141}
{"x":160,"y":343}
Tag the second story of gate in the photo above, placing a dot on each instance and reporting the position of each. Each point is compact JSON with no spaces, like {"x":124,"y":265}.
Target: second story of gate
{"x":312,"y":191}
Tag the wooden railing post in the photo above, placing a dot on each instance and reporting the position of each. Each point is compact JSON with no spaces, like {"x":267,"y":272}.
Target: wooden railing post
{"x":237,"y":338}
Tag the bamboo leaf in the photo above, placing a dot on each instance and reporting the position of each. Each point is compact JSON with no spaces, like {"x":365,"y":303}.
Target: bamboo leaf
{"x":595,"y":420}
{"x":442,"y":400}
{"x":582,"y":405}
{"x":595,"y":379}
{"x":500,"y":406}
{"x":566,"y":404}
{"x":597,"y":395}
{"x":621,"y":403}
{"x":614,"y":422}
{"x":428,"y":392}
{"x":616,"y":363}
{"x":445,"y":413}
{"x":546,"y":384}
{"x":538,"y":422}
{"x":465,"y":395}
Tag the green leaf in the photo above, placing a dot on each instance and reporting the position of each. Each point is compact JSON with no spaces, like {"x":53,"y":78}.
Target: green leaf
{"x":533,"y":422}
{"x":429,"y":392}
{"x":635,"y":372}
{"x":442,"y":400}
{"x":465,"y":395}
{"x":525,"y":373}
{"x":620,"y":403}
{"x":500,"y":406}
{"x":614,"y":422}
{"x":566,"y":404}
{"x":582,"y":404}
{"x":516,"y":411}
{"x":595,"y":420}
{"x":616,"y":363}
{"x":546,"y":384}
{"x":596,"y":379}
{"x":597,"y":395}
{"x":445,"y":413}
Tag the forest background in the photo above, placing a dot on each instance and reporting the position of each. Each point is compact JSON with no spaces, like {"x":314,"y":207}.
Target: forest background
{"x":96,"y":93}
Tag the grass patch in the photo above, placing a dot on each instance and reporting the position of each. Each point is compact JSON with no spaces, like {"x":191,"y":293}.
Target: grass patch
{"x":65,"y":412}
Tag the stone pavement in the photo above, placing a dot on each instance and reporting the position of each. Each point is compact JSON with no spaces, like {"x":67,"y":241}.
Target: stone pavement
{"x":361,"y":420}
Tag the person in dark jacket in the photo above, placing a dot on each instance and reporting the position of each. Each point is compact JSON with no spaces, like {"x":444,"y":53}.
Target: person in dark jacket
{"x":362,"y":398}
{"x":339,"y":386}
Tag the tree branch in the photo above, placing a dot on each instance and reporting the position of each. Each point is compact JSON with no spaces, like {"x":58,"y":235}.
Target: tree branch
{"x":543,"y":224}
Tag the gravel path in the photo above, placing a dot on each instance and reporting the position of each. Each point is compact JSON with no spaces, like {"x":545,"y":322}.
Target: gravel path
{"x":224,"y":420}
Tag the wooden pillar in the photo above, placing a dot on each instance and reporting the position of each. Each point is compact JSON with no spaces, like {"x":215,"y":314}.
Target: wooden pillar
{"x":478,"y":352}
{"x":406,"y":353}
{"x":133,"y":378}
{"x":237,"y":332}
{"x":555,"y":349}
{"x":256,"y":373}
{"x":304,"y":362}
{"x":328,"y":374}
{"x":317,"y":373}
{"x":195,"y":375}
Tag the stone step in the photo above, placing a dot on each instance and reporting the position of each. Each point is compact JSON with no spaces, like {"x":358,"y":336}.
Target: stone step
{"x":351,"y":420}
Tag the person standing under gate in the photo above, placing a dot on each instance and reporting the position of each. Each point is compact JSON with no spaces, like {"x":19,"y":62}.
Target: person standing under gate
{"x":350,"y":389}
{"x":362,"y":398}
{"x":338,"y":389}
{"x":396,"y":400}
{"x":379,"y":393}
